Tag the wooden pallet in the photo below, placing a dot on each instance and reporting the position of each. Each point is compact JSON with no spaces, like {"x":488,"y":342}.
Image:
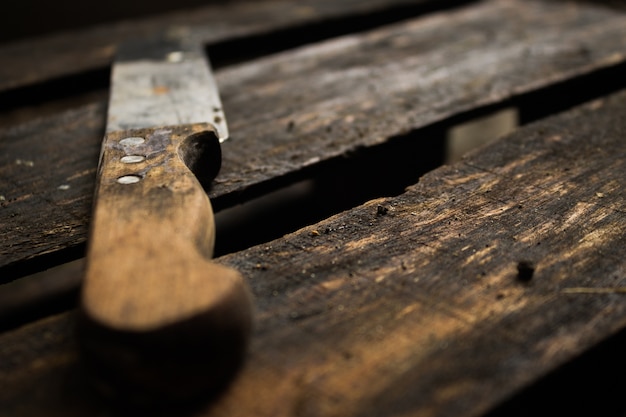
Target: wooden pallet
{"x":472,"y":283}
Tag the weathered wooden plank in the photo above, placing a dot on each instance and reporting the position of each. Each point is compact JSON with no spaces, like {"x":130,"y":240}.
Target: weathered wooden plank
{"x":413,"y":305}
{"x":361,"y":90}
{"x":36,"y":60}
{"x":420,"y":311}
{"x":45,"y":207}
{"x":295,"y":110}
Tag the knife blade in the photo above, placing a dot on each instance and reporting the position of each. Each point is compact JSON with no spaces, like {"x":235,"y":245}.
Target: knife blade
{"x":158,"y":320}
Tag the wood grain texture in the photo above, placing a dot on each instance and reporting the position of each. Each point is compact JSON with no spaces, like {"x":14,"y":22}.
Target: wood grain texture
{"x":361,"y":90}
{"x":159,"y":321}
{"x":412,"y":305}
{"x":293,"y":111}
{"x":76,"y":51}
{"x":46,"y":207}
{"x":150,"y":230}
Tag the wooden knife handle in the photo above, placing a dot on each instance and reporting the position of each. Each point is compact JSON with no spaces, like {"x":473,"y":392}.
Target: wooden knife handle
{"x":159,"y":320}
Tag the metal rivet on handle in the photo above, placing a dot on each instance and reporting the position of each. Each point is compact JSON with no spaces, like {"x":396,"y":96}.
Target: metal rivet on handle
{"x":132,"y":159}
{"x":132,"y":141}
{"x":175,"y":56}
{"x":129,"y":179}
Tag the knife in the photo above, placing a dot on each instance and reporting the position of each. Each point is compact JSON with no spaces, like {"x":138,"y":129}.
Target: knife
{"x":158,"y":320}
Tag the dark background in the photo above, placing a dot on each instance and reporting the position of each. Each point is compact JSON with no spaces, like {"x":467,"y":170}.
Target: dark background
{"x":28,"y":18}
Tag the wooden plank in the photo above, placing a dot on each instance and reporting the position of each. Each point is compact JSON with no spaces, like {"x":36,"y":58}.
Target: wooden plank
{"x":45,"y":207}
{"x":66,"y":53}
{"x":361,"y":90}
{"x":294,"y":111}
{"x":413,"y":305}
{"x":420,"y":311}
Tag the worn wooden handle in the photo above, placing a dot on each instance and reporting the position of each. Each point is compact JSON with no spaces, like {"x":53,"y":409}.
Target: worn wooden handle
{"x":158,"y":318}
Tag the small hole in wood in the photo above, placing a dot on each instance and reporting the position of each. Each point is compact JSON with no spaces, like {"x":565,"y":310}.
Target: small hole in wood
{"x":525,"y":270}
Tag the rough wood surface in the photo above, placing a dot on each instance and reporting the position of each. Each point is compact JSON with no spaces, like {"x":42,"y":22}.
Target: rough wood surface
{"x":417,"y":307}
{"x":295,"y":110}
{"x":45,"y":207}
{"x":54,"y":56}
{"x":413,"y":305}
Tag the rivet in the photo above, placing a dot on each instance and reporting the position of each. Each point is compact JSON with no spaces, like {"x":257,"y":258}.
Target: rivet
{"x":132,"y":141}
{"x":129,"y":179}
{"x":175,"y":56}
{"x":132,"y":159}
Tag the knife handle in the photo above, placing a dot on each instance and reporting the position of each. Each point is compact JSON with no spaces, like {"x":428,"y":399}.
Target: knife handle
{"x":158,"y":319}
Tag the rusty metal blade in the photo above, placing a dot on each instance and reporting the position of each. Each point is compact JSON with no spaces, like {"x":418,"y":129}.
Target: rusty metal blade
{"x":163,"y":82}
